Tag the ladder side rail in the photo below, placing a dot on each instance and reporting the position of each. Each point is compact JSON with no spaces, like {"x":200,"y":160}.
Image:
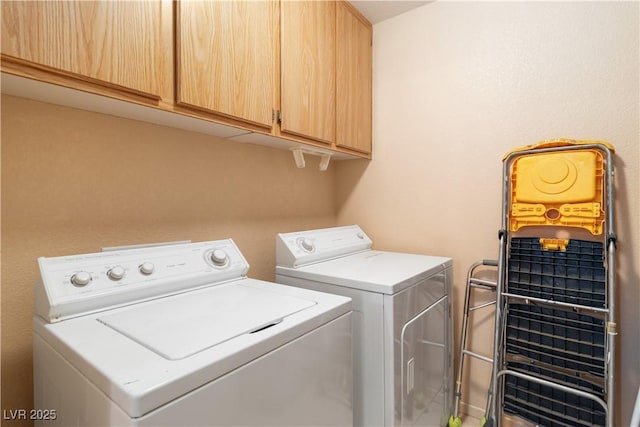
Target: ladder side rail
{"x":611,"y":242}
{"x":611,"y":334}
{"x":494,"y":410}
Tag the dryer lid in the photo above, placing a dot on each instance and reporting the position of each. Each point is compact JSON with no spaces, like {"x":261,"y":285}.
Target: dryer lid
{"x":182,"y":325}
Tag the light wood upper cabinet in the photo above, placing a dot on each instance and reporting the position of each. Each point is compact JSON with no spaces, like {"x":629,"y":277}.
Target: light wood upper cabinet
{"x":289,"y":71}
{"x":307,"y":64}
{"x":353,"y":80}
{"x":119,"y":44}
{"x":226,"y":58}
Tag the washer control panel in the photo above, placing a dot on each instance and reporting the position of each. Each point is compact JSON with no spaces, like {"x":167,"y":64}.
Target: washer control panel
{"x":81,"y":284}
{"x":306,"y":247}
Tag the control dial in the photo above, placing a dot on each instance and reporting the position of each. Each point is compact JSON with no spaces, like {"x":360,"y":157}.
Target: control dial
{"x":307,"y":244}
{"x":115,"y":273}
{"x":81,"y":278}
{"x":146,"y":268}
{"x":219,"y":257}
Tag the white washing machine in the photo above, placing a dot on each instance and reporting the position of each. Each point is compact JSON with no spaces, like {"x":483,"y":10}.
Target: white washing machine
{"x":176,"y":335}
{"x":402,"y":321}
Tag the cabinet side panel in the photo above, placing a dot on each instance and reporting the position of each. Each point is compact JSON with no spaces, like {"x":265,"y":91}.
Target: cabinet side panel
{"x":353,"y":81}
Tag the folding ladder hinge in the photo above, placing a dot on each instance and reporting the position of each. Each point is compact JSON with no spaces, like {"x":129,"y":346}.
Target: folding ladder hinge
{"x":501,"y":233}
{"x":612,"y":238}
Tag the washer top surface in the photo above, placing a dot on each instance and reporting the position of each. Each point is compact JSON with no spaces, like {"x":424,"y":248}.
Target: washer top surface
{"x":188,"y":323}
{"x":370,"y":270}
{"x":141,"y":366}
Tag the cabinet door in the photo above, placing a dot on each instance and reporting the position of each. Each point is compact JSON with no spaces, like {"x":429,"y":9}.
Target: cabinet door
{"x":308,"y":69}
{"x":226,"y":58}
{"x":112,"y":43}
{"x":353,"y":80}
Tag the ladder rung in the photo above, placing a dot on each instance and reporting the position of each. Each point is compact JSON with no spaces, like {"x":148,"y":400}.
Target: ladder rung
{"x":486,"y":304}
{"x":477,"y":356}
{"x":482,"y":283}
{"x":574,"y":307}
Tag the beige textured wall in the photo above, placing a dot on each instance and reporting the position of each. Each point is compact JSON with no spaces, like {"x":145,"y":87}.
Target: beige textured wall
{"x":458,"y":84}
{"x":74,"y":181}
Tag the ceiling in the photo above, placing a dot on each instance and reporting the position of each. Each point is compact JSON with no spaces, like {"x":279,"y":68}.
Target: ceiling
{"x":379,"y":10}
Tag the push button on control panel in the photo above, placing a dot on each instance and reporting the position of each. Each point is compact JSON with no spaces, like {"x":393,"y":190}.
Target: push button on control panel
{"x":115,"y":273}
{"x":219,"y":257}
{"x":146,"y":268}
{"x":81,"y":278}
{"x":306,"y":244}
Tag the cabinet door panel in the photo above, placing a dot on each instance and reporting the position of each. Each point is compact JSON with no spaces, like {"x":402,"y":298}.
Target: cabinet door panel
{"x":118,"y":43}
{"x":226,"y":57}
{"x":308,"y":69}
{"x":353,"y":81}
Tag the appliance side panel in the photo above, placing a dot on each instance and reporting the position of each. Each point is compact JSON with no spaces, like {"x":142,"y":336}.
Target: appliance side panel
{"x":368,"y":352}
{"x":284,"y":256}
{"x":307,"y":381}
{"x":416,"y":354}
{"x":449,"y":345}
{"x":66,"y":396}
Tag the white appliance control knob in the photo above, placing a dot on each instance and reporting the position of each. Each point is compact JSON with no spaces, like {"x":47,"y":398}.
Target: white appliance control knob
{"x":115,"y":273}
{"x":307,"y":244}
{"x":146,"y":268}
{"x":81,"y":278}
{"x":360,"y":236}
{"x":219,"y":257}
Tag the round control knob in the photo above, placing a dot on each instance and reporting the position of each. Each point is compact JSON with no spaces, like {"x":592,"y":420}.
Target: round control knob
{"x":146,"y":268}
{"x":81,"y":278}
{"x":360,"y":236}
{"x":115,"y":273}
{"x":219,"y":257}
{"x":307,"y":244}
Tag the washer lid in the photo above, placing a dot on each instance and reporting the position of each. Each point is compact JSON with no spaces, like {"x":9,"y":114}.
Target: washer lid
{"x":373,"y":271}
{"x":182,"y":325}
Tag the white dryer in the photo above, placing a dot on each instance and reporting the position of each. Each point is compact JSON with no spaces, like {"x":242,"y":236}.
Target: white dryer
{"x":402,"y":321}
{"x":176,"y":335}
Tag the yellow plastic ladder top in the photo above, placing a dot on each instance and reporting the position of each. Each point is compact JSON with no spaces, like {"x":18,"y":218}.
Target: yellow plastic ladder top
{"x":558,"y":188}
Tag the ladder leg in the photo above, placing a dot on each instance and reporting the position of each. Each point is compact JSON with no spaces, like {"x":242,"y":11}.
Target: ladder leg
{"x":495,"y":415}
{"x":463,"y":346}
{"x":472,"y":283}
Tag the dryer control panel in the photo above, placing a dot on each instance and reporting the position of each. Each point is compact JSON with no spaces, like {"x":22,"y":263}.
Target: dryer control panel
{"x":74,"y":285}
{"x":307,"y":247}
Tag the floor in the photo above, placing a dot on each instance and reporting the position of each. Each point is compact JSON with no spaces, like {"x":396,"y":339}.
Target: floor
{"x":507,"y":421}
